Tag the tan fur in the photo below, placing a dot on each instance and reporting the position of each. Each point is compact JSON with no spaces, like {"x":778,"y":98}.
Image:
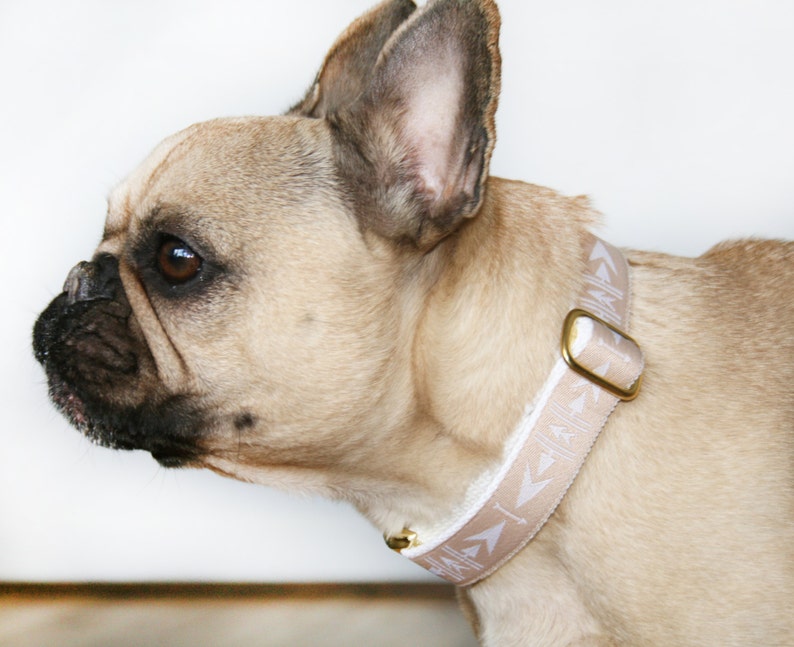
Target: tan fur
{"x":384,"y":359}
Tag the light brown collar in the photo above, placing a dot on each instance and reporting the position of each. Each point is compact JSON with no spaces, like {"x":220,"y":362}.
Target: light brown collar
{"x":506,"y":507}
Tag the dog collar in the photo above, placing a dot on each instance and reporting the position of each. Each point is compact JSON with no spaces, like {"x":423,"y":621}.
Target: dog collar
{"x":599,"y":365}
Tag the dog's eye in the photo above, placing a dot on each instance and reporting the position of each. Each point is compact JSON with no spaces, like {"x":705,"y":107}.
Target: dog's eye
{"x":177,"y":262}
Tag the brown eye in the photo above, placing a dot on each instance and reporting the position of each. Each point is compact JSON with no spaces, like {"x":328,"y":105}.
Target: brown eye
{"x":177,"y":262}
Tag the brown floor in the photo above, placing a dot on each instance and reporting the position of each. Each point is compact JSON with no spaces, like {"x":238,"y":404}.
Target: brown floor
{"x":231,"y":616}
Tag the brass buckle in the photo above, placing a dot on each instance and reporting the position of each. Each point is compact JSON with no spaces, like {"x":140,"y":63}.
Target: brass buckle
{"x":567,"y":353}
{"x":406,"y":538}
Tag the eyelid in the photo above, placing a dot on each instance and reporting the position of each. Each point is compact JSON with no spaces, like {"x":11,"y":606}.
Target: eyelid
{"x":143,"y":246}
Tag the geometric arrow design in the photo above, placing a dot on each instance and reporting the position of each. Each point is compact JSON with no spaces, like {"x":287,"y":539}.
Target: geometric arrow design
{"x":490,"y":537}
{"x":585,"y":383}
{"x":545,"y":462}
{"x":562,"y":434}
{"x":529,"y":489}
{"x":603,"y":370}
{"x":607,"y":301}
{"x":601,"y":253}
{"x":578,"y":405}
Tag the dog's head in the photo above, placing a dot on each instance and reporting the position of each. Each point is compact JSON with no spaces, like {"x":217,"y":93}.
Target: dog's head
{"x":252,"y":304}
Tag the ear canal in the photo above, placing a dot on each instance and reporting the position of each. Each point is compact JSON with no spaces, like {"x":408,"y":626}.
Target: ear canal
{"x":414,"y":149}
{"x":347,"y":69}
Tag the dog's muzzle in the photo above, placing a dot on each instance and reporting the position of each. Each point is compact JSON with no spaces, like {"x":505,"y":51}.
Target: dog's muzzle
{"x":101,"y":374}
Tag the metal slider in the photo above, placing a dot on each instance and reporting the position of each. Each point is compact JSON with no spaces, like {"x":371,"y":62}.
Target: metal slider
{"x":567,"y":341}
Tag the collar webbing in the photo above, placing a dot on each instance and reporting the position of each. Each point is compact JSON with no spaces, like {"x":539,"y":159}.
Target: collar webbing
{"x":600,"y":365}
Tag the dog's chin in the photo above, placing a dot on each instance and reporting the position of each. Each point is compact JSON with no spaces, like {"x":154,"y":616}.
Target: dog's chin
{"x":167,"y":431}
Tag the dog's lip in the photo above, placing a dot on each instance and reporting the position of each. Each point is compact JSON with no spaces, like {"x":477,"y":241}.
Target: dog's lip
{"x":73,"y":406}
{"x":68,"y":402}
{"x":74,"y":409}
{"x":171,"y":460}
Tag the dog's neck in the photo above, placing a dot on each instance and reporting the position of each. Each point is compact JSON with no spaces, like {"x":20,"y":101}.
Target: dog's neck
{"x":508,"y":278}
{"x":599,"y":365}
{"x":486,"y":336}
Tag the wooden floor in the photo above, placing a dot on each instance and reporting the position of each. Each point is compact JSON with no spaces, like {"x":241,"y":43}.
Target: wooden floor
{"x":231,"y":616}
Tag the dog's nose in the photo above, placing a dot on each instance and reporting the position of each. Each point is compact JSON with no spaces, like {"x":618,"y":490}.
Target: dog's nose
{"x":93,"y":280}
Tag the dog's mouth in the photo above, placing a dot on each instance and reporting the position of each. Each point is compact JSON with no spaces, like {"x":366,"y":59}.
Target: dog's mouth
{"x":167,"y":431}
{"x":102,"y":379}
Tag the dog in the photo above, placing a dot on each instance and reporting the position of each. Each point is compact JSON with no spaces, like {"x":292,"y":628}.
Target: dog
{"x":342,"y":300}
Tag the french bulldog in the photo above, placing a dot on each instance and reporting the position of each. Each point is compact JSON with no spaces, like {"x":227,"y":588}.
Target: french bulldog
{"x":341,"y":300}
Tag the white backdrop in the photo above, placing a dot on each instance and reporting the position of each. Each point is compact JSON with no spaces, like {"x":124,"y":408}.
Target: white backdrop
{"x":676,"y":116}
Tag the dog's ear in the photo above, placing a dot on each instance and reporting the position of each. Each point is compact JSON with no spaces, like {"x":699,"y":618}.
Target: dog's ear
{"x":413,"y":150}
{"x":347,"y":69}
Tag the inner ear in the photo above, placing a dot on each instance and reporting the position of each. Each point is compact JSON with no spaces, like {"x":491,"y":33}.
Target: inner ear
{"x":348,"y":66}
{"x":414,"y":148}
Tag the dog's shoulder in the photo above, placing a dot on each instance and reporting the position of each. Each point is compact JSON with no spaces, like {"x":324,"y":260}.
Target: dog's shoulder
{"x":718,"y":327}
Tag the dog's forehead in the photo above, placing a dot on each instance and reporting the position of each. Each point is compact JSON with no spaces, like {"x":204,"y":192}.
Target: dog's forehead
{"x":223,"y":156}
{"x":125,"y":195}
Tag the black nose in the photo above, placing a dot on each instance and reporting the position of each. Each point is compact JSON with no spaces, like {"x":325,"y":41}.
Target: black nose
{"x":90,"y":281}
